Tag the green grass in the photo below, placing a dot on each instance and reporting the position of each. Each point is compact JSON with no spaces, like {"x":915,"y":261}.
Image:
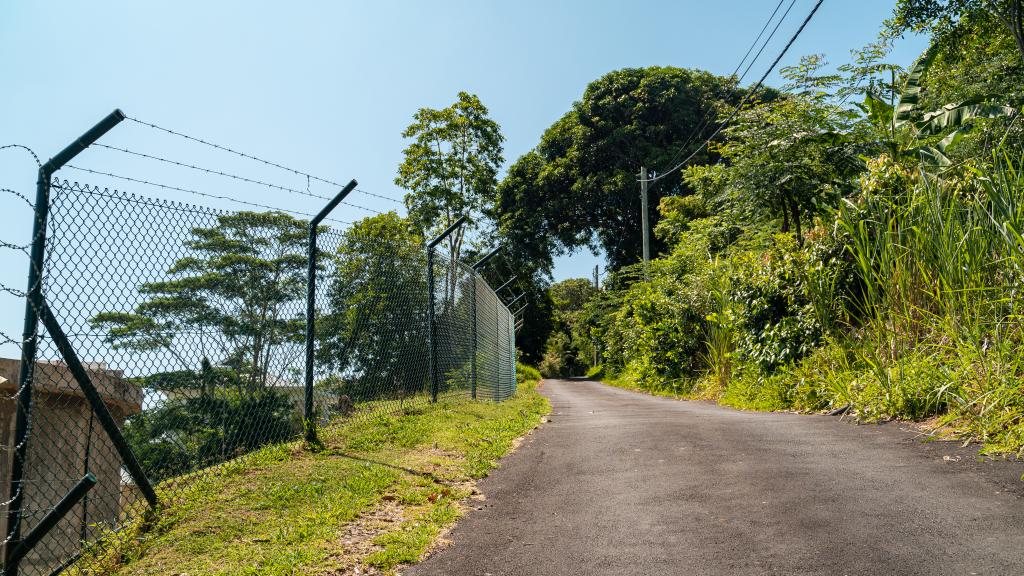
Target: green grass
{"x":378,"y":494}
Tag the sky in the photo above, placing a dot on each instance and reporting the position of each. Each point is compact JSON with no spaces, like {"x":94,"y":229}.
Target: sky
{"x":327,"y":87}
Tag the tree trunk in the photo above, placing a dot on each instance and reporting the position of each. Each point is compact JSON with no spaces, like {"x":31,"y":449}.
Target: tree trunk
{"x":1011,"y":14}
{"x":785,"y":217}
{"x":797,"y":230}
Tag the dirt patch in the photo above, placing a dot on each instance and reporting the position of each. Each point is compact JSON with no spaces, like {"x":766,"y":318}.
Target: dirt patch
{"x":356,"y":542}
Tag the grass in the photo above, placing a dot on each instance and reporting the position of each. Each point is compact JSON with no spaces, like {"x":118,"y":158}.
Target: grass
{"x":378,"y":494}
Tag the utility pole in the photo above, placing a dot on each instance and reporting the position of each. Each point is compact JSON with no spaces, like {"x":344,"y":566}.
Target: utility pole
{"x":596,"y":285}
{"x":643,"y":214}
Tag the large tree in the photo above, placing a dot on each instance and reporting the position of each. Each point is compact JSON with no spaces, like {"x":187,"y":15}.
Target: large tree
{"x":943,"y":18}
{"x":579,"y":187}
{"x":236,"y":298}
{"x":451,"y":166}
{"x":375,"y":330}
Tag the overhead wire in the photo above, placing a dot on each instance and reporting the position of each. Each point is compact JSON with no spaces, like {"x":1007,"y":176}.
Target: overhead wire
{"x":695,"y":134}
{"x":746,"y":99}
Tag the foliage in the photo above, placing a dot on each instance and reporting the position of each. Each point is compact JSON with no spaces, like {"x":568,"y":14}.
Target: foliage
{"x":570,"y":348}
{"x":777,"y":320}
{"x":188,"y":432}
{"x":780,"y":156}
{"x":451,"y":166}
{"x":579,"y":185}
{"x":375,"y":325}
{"x":241,"y":285}
{"x":943,"y":18}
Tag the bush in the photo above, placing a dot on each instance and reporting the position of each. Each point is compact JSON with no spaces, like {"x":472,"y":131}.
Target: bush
{"x":189,"y":433}
{"x":778,"y":324}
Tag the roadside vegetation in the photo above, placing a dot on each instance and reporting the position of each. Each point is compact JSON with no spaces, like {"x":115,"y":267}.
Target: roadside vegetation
{"x":851,"y":242}
{"x":377,"y":495}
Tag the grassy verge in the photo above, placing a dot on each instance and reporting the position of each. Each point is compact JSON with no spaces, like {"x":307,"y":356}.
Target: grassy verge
{"x":378,"y":495}
{"x":922,"y":389}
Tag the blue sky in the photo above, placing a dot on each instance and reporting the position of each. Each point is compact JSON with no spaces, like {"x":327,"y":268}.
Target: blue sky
{"x":327,"y":87}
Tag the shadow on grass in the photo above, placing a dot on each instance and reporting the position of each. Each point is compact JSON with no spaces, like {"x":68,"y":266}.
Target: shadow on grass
{"x":419,"y":473}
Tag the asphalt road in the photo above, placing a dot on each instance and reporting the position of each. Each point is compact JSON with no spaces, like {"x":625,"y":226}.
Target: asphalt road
{"x":624,"y":483}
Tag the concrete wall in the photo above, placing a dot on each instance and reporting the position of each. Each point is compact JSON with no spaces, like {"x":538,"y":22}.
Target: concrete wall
{"x":65,"y":442}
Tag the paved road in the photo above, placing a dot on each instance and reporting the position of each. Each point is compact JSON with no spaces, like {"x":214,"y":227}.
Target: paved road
{"x":624,"y":483}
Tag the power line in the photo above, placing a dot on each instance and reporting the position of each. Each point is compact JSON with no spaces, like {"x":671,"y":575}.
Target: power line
{"x":739,"y":107}
{"x":232,"y":176}
{"x":770,"y":36}
{"x":256,"y":158}
{"x":198,"y":193}
{"x":707,"y":114}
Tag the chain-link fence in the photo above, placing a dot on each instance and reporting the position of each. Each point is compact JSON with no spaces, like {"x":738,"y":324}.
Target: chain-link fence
{"x":189,"y":325}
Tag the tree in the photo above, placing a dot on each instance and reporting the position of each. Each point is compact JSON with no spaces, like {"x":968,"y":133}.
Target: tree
{"x":243,"y":284}
{"x":908,"y":134}
{"x":788,"y":158}
{"x":238,"y":295}
{"x":569,"y":348}
{"x":375,"y":331}
{"x":942,"y":18}
{"x":579,"y":187}
{"x":451,"y":166}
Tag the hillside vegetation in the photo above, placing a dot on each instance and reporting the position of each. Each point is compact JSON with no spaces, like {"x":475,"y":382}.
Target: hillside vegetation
{"x":853,"y":243}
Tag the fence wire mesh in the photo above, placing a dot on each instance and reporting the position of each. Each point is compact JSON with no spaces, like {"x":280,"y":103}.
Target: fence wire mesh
{"x":190,"y":323}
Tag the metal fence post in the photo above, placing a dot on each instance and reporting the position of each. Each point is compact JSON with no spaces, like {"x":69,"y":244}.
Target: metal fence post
{"x":432,"y":326}
{"x":311,"y":256}
{"x":33,"y":304}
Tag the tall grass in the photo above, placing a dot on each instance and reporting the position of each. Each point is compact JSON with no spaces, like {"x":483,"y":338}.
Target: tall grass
{"x":940,"y":329}
{"x":720,"y":328}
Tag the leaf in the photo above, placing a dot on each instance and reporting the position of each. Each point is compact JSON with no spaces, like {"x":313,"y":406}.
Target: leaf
{"x":956,"y":115}
{"x":950,"y":139}
{"x":879,"y":112}
{"x":932,"y":157}
{"x":910,"y":97}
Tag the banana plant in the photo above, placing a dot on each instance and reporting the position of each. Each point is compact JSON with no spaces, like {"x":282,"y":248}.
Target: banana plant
{"x":908,"y":134}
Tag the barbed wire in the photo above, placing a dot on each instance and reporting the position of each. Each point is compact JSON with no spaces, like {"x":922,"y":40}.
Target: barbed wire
{"x":19,"y":247}
{"x":198,"y":193}
{"x":19,"y":195}
{"x":25,"y":148}
{"x":257,"y":159}
{"x":306,"y":192}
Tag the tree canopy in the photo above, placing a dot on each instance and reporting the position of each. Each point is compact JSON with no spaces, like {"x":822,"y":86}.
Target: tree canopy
{"x":451,"y":166}
{"x":579,"y":186}
{"x":242,"y":283}
{"x":375,"y":328}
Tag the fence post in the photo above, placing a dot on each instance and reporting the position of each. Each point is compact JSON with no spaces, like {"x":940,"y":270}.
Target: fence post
{"x":311,"y":260}
{"x":476,"y":273}
{"x":107,"y":422}
{"x":431,"y":325}
{"x":33,"y":304}
{"x":50,"y":520}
